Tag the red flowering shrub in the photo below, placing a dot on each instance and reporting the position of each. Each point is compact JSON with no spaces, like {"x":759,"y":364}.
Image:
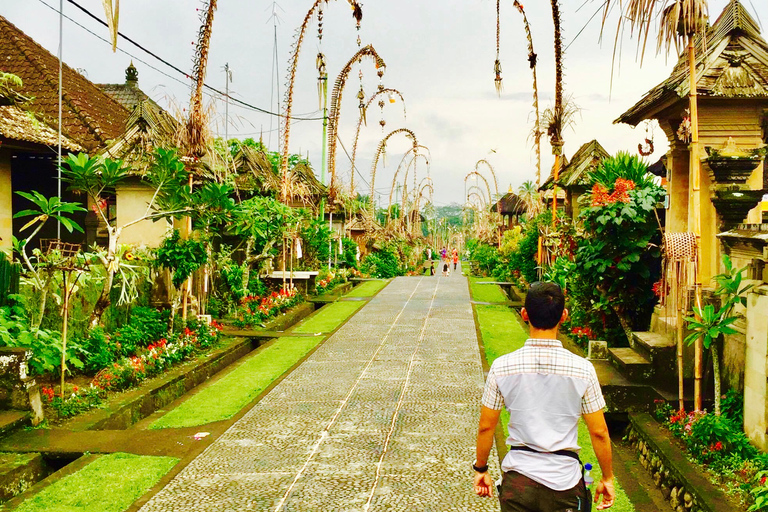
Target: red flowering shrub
{"x":255,"y":310}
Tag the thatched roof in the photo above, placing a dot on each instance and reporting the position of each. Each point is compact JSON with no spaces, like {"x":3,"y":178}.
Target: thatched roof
{"x":733,"y":64}
{"x":510,"y":204}
{"x":576,"y":172}
{"x":148,"y":127}
{"x":90,"y":117}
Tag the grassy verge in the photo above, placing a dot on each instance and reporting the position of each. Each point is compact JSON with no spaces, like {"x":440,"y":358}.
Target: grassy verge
{"x":227,"y":396}
{"x":367,"y":289}
{"x":486,"y":292}
{"x":502,"y":334}
{"x":109,"y":484}
{"x":329,"y":317}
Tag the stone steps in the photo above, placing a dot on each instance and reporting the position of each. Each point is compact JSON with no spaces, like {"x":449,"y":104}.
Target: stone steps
{"x":631,"y":364}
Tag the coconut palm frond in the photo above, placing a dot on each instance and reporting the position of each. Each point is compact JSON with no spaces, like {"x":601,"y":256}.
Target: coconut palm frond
{"x":677,"y":19}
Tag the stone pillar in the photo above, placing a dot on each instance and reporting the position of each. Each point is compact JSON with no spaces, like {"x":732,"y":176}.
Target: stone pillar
{"x":6,"y":202}
{"x":677,"y":214}
{"x":756,"y":361}
{"x":17,"y":389}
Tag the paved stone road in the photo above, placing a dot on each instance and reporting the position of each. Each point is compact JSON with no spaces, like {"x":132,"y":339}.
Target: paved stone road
{"x":382,"y":417}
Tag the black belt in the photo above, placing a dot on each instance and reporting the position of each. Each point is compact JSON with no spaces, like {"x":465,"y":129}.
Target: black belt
{"x":566,"y":453}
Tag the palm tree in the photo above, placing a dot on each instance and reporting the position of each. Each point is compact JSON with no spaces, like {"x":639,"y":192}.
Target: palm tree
{"x":529,"y":195}
{"x":680,"y":22}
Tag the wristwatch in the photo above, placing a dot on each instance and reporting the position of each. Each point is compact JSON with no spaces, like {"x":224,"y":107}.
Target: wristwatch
{"x":479,"y":469}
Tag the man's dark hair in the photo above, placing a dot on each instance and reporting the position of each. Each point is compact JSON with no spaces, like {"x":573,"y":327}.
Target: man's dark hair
{"x":544,"y":304}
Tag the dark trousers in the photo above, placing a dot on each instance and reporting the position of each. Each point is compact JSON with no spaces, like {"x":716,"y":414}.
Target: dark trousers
{"x":521,"y":494}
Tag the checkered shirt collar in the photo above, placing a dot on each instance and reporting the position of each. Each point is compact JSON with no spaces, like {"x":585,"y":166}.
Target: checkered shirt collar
{"x":540,"y":342}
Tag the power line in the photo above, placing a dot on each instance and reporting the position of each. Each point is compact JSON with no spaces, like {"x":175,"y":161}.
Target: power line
{"x":165,"y":62}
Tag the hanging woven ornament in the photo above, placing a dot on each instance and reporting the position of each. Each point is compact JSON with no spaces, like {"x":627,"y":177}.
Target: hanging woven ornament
{"x":383,"y":123}
{"x":112,"y":11}
{"x":361,"y":105}
{"x":684,"y":131}
{"x":322,"y":79}
{"x":384,"y":155}
{"x":647,"y":149}
{"x":497,"y":80}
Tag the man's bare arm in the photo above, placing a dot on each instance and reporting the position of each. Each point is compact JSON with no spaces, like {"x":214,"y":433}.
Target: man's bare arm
{"x":485,"y":434}
{"x":601,"y":442}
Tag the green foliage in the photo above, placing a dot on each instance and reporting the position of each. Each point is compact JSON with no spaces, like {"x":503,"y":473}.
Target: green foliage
{"x":262,"y":220}
{"x":45,"y":345}
{"x":182,"y":257}
{"x":49,"y":208}
{"x":623,"y":165}
{"x":349,"y":257}
{"x":383,"y":264}
{"x":10,"y":274}
{"x":315,"y":237}
{"x":77,"y":403}
{"x":709,"y":325}
{"x":733,"y":406}
{"x":487,"y":258}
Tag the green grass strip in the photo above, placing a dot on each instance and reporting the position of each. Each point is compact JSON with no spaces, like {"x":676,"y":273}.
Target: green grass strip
{"x":329,"y":317}
{"x":486,"y":292}
{"x":367,"y":288}
{"x":228,"y":395}
{"x":109,"y":484}
{"x":502,"y":334}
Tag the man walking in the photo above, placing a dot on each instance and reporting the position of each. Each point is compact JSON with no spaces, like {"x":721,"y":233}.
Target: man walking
{"x":546,"y":389}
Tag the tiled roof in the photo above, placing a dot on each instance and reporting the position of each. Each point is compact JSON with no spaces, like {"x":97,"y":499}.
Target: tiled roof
{"x":90,"y":117}
{"x":19,"y":124}
{"x":731,"y":62}
{"x":128,"y":94}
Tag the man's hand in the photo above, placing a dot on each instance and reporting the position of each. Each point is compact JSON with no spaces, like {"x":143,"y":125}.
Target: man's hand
{"x":483,"y":484}
{"x":605,"y":489}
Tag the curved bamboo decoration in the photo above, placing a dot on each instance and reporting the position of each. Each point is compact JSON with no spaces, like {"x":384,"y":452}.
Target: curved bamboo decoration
{"x":334,"y":112}
{"x":397,"y":172}
{"x":493,"y":173}
{"x":487,"y":185}
{"x":408,"y":133}
{"x":359,"y":126}
{"x":288,"y":103}
{"x":480,"y":191}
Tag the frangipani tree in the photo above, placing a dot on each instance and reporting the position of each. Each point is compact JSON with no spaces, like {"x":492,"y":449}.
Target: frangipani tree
{"x":98,"y":178}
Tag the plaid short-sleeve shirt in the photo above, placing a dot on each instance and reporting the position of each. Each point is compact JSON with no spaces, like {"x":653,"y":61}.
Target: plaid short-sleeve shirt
{"x":546,"y":389}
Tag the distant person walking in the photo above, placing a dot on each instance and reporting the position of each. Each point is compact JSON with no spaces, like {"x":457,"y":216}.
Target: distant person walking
{"x":443,"y":252}
{"x":432,"y":268}
{"x":455,"y":260}
{"x":429,"y":253}
{"x":446,"y":268}
{"x":546,"y":390}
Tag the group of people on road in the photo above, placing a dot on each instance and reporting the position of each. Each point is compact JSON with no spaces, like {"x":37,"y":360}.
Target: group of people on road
{"x":446,"y":259}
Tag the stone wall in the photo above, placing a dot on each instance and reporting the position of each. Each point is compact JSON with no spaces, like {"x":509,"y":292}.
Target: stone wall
{"x":755,"y":375}
{"x":17,"y":389}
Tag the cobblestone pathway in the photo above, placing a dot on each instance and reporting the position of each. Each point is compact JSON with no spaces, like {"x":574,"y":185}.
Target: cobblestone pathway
{"x":382,"y":417}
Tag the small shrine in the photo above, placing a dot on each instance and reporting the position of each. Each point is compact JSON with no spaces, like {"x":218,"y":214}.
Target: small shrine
{"x":732,"y":88}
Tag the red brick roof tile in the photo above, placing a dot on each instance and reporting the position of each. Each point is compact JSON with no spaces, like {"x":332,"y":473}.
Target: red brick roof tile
{"x":90,"y":117}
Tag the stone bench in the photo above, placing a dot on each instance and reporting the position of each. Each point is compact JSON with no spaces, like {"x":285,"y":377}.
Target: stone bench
{"x":303,"y":280}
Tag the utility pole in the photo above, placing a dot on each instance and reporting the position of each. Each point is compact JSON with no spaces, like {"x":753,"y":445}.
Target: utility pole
{"x":227,"y":79}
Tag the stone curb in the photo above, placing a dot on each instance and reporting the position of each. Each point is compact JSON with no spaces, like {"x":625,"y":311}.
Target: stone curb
{"x":680,"y":481}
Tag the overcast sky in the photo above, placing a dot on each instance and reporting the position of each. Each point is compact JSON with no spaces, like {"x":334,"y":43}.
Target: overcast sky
{"x":439,"y":54}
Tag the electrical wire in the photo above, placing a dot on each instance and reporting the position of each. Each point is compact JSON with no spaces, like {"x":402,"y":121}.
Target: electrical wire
{"x":239,"y":102}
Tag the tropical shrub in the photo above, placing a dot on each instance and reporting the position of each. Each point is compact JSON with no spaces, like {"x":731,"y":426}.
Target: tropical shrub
{"x":382,"y":264}
{"x":618,"y":256}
